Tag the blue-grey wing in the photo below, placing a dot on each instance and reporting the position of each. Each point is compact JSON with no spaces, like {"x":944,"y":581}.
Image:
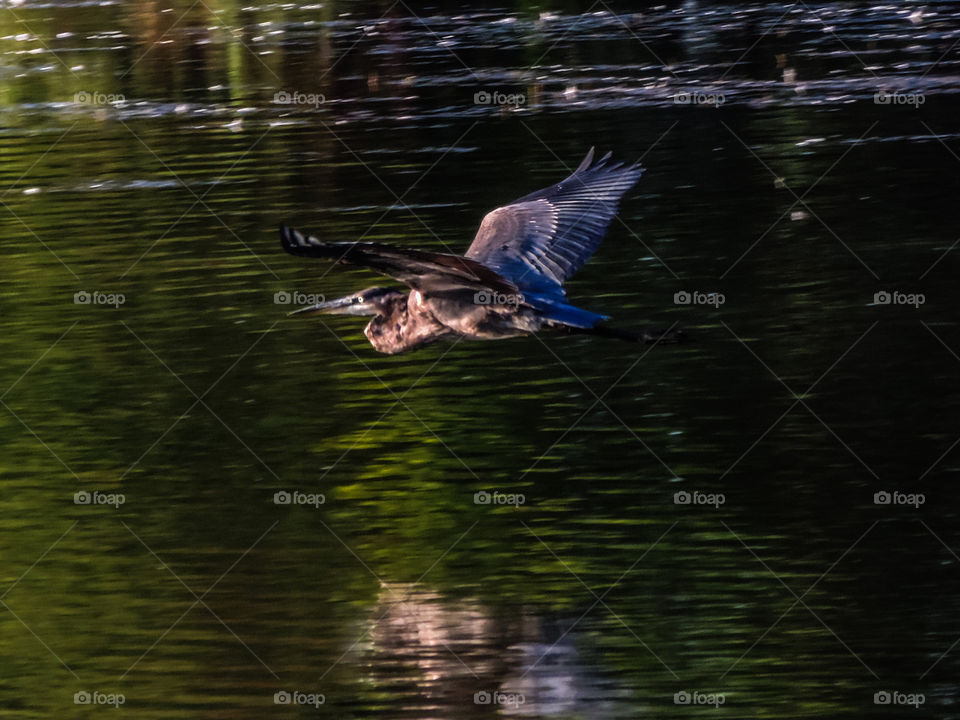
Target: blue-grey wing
{"x":543,"y":238}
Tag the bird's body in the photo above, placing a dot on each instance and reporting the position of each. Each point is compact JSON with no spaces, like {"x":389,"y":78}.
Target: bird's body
{"x":509,"y":283}
{"x":409,"y":321}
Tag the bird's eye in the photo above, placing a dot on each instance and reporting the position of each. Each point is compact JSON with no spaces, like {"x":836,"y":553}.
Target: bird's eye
{"x":357,"y":299}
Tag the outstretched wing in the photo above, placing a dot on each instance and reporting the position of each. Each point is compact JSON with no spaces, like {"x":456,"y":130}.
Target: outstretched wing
{"x":421,"y":270}
{"x":543,"y":238}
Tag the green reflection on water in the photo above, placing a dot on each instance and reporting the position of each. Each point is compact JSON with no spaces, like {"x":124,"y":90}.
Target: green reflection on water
{"x":176,"y":210}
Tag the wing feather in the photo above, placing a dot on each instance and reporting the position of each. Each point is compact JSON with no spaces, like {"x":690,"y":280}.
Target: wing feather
{"x":420,"y":269}
{"x":543,"y":238}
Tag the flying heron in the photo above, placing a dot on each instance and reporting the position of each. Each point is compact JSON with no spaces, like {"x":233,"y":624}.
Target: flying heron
{"x":509,"y":283}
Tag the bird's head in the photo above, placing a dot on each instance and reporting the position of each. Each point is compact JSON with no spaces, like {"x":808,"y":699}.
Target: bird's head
{"x":370,"y":302}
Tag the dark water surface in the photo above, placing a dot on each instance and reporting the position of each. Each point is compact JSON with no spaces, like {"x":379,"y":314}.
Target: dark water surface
{"x":825,"y":171}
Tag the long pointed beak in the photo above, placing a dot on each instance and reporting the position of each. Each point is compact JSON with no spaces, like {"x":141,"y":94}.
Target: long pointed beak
{"x":340,"y":306}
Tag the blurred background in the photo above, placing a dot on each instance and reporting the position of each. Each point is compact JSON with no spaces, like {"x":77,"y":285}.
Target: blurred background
{"x":210,"y":510}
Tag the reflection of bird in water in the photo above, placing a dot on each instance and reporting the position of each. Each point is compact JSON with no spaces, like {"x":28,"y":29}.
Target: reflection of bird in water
{"x":449,"y":654}
{"x":509,"y":283}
